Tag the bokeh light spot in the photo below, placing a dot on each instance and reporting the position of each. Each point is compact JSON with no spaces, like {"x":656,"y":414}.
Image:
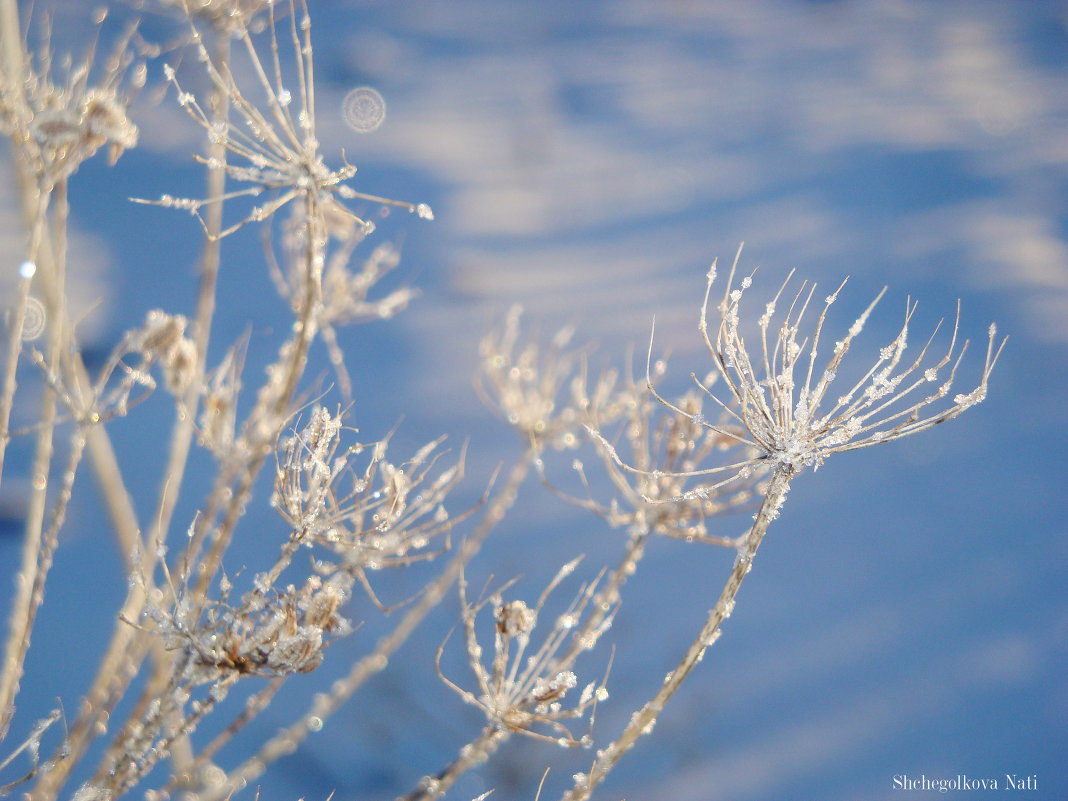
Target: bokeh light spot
{"x":364,"y":109}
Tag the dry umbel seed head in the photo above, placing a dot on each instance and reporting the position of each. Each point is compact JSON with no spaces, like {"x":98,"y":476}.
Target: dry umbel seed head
{"x":542,"y":390}
{"x":162,"y":339}
{"x":784,"y":401}
{"x":515,"y":618}
{"x":367,"y":511}
{"x":126,"y":378}
{"x":271,"y":632}
{"x":274,"y":148}
{"x":526,"y":690}
{"x":778,"y":401}
{"x":658,"y":495}
{"x":57,"y":122}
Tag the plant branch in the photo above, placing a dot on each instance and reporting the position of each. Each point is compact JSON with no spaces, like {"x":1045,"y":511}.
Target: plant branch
{"x":642,"y":721}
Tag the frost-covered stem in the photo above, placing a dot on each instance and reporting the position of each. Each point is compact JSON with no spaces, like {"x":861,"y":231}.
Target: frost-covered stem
{"x":109,"y":479}
{"x":11,"y":40}
{"x":643,"y":720}
{"x":23,"y":610}
{"x":117,"y":668}
{"x":35,"y":201}
{"x":296,"y":538}
{"x":269,"y":414}
{"x":155,"y":689}
{"x":101,"y":453}
{"x":48,"y":542}
{"x":130,"y":768}
{"x":325,"y":704}
{"x":11,"y":75}
{"x":472,"y":755}
{"x":607,"y":596}
{"x":184,"y":424}
{"x":50,"y":537}
{"x":182,"y":435}
{"x":253,"y":706}
{"x":113,"y":491}
{"x":119,"y":664}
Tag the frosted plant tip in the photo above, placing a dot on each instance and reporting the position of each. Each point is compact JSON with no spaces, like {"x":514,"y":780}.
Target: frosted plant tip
{"x":424,"y":211}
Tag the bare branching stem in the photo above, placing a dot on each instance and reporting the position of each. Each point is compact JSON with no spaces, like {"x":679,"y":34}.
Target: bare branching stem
{"x":182,"y":435}
{"x":644,"y":719}
{"x":272,"y":409}
{"x":325,"y":704}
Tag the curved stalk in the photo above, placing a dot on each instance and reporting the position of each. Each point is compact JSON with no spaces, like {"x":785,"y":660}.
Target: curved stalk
{"x":642,"y":721}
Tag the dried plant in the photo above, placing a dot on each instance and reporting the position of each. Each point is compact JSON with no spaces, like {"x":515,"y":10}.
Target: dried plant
{"x":541,"y":391}
{"x":381,"y":516}
{"x":524,"y":690}
{"x":57,"y":122}
{"x":194,"y":622}
{"x":667,"y":444}
{"x":789,"y":434}
{"x":277,"y":147}
{"x":782,"y":413}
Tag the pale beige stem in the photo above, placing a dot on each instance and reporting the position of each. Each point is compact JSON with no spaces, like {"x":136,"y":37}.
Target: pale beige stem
{"x":642,"y":721}
{"x":607,"y":598}
{"x":184,"y":425}
{"x":101,"y":454}
{"x":27,"y":601}
{"x":14,"y":349}
{"x":268,"y":417}
{"x":253,"y":706}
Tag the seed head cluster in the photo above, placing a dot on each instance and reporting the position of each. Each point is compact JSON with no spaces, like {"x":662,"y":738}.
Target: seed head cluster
{"x":785,"y":401}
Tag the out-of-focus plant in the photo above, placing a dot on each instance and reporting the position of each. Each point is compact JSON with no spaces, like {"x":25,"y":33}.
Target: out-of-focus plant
{"x":187,"y":632}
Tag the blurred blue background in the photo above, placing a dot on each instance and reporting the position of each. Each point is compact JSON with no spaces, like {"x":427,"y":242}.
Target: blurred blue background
{"x":909,"y":612}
